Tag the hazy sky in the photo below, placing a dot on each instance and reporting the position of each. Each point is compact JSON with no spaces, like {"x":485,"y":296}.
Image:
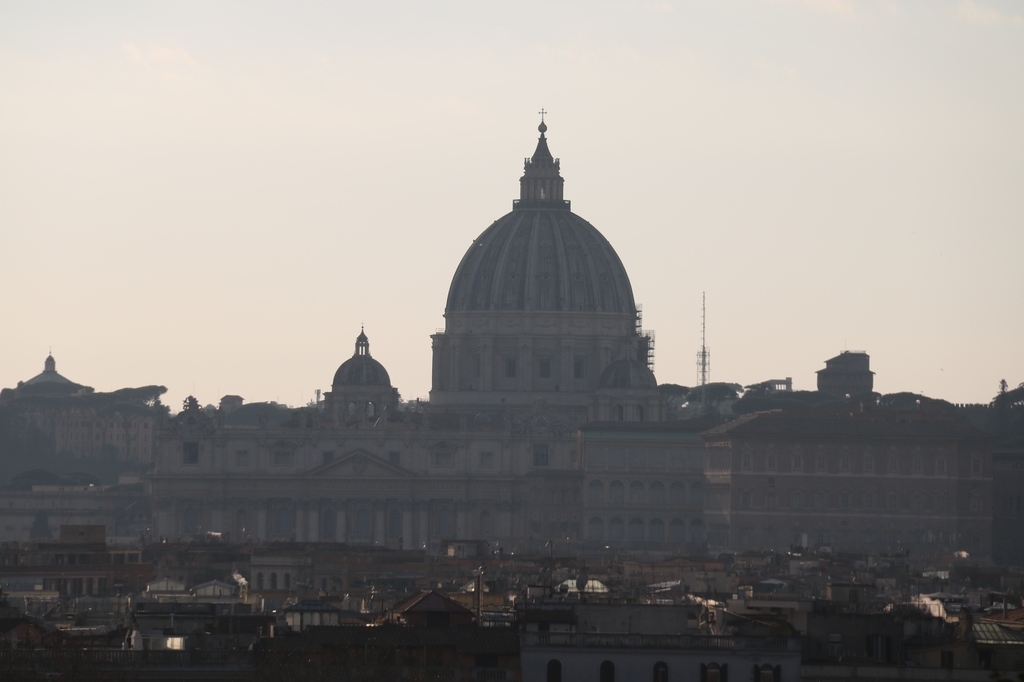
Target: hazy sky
{"x":213,"y":196}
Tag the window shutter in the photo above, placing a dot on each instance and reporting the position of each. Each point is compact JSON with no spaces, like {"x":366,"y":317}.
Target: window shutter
{"x":777,"y":674}
{"x":756,"y":677}
{"x":703,"y":673}
{"x":724,"y":677}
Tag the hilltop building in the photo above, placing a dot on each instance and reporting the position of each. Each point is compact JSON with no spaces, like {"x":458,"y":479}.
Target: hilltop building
{"x":847,"y":375}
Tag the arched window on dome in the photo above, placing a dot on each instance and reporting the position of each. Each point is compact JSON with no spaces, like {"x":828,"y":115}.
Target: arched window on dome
{"x":638,"y":413}
{"x":618,"y":413}
{"x":371,"y":409}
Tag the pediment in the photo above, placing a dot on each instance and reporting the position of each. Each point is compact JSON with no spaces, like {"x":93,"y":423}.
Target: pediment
{"x":359,"y":464}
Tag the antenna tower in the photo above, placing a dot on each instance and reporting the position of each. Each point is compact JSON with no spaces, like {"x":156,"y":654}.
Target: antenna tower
{"x":703,"y":357}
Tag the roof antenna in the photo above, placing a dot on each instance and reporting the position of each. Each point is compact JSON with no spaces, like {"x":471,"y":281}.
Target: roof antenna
{"x":703,"y":357}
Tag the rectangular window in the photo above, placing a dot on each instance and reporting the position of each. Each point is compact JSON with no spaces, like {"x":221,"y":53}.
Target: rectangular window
{"x":894,"y":464}
{"x":540,"y":455}
{"x":242,"y":458}
{"x":326,"y":457}
{"x":510,"y":368}
{"x":577,"y":369}
{"x":820,"y":500}
{"x":747,"y":460}
{"x":820,"y":463}
{"x":444,"y":459}
{"x":476,"y":367}
{"x":745,"y":499}
{"x":869,"y":501}
{"x":770,"y":462}
{"x":283,"y":459}
{"x":940,"y":465}
{"x":395,"y":458}
{"x":844,"y":500}
{"x":975,"y":467}
{"x":770,"y":500}
{"x":189,"y":454}
{"x":892,"y":501}
{"x":844,"y":463}
{"x":798,"y":462}
{"x":544,"y":369}
{"x":486,"y":460}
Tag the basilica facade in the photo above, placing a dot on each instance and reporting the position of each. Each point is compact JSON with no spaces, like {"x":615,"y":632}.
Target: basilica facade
{"x":541,"y":336}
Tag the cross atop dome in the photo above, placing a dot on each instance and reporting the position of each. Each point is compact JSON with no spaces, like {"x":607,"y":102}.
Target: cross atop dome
{"x":542,"y":183}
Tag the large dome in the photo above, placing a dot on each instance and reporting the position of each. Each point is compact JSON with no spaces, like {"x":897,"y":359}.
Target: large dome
{"x":361,"y":369}
{"x":541,"y":256}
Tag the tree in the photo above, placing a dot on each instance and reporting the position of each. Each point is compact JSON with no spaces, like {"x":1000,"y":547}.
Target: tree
{"x":716,"y":393}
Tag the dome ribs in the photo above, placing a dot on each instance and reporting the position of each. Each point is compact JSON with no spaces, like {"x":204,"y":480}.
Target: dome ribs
{"x":564,"y":300}
{"x":529,"y":260}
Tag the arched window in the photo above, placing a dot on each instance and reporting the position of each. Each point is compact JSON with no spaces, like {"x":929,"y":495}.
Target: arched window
{"x":660,"y":672}
{"x":636,"y":492}
{"x":287,"y":581}
{"x":636,"y":530}
{"x":328,"y":524}
{"x":618,"y":413}
{"x":656,"y":531}
{"x":486,"y":524}
{"x":273,"y":581}
{"x":444,"y":524}
{"x":554,"y":670}
{"x":616,"y":492}
{"x":284,"y":522}
{"x":616,"y":530}
{"x":697,"y":531}
{"x":259,"y":581}
{"x":638,"y":413}
{"x":595,"y":530}
{"x":657,"y":492}
{"x":677,"y":493}
{"x":191,"y":521}
{"x":677,"y":531}
{"x":363,"y":523}
{"x":595,"y":492}
{"x":697,"y":494}
{"x":607,"y":672}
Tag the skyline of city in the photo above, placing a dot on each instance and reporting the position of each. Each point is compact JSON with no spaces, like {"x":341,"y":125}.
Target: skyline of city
{"x":216,"y":202}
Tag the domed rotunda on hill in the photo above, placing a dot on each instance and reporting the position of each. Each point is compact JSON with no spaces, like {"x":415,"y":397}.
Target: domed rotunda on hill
{"x":538,"y":308}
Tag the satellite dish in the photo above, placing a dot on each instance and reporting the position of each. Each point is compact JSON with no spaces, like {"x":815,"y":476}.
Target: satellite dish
{"x":581,"y":582}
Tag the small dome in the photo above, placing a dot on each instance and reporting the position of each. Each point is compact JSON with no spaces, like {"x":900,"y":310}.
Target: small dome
{"x":361,"y":369}
{"x":627,"y":374}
